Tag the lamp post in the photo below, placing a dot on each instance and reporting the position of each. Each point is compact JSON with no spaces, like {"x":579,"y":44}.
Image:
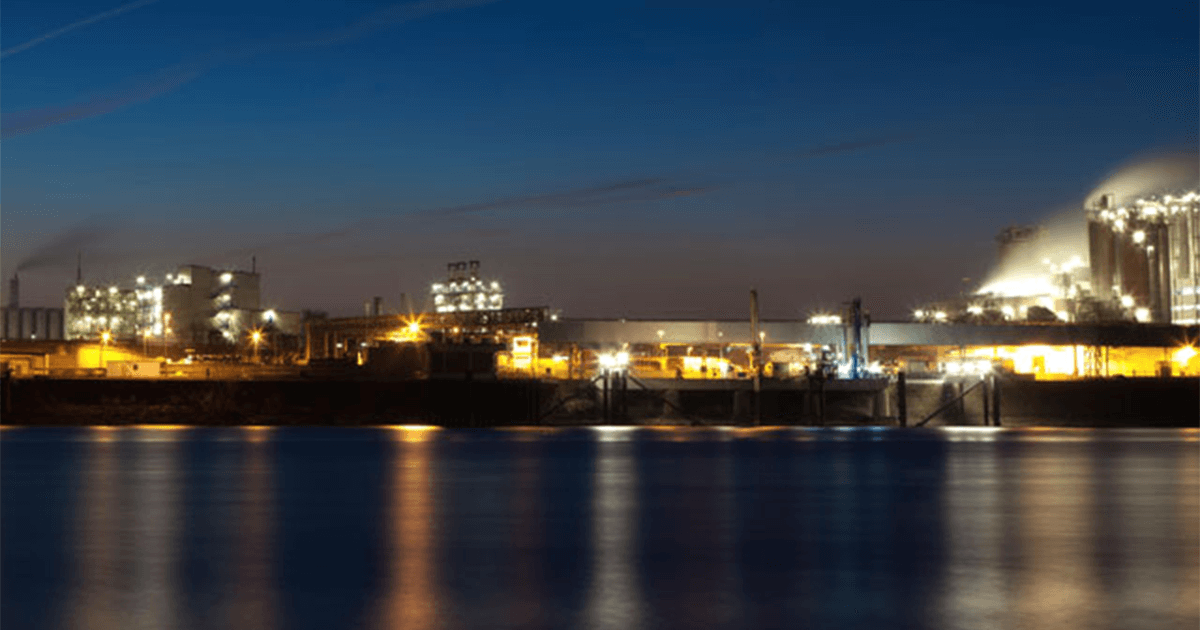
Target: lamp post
{"x":104,"y":338}
{"x":255,"y":338}
{"x":165,"y":323}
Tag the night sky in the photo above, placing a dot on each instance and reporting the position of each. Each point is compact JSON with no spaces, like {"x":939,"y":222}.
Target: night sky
{"x":640,"y":159}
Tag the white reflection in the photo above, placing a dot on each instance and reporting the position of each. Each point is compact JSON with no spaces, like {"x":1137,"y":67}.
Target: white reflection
{"x":155,"y":532}
{"x":614,"y":434}
{"x":525,"y":603}
{"x":614,"y":595}
{"x":1187,"y":500}
{"x":973,"y":514}
{"x":254,"y":603}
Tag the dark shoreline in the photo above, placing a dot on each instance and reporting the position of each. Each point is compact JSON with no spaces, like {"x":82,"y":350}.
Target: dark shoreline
{"x":1143,"y":402}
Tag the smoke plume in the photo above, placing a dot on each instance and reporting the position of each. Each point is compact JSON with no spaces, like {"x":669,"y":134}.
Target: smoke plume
{"x":1159,"y":173}
{"x":62,"y":248}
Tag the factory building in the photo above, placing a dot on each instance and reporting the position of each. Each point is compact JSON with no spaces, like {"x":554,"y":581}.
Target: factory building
{"x":196,"y":305}
{"x":1147,"y":253}
{"x":464,"y":291}
{"x":28,"y":323}
{"x":1133,"y":262}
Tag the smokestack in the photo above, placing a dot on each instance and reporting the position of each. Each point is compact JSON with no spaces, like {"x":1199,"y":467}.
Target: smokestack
{"x":254,"y":264}
{"x":78,"y":268}
{"x":377,"y":306}
{"x":14,"y":292}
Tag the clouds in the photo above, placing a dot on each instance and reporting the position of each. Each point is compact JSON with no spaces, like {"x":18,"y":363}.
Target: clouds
{"x":104,"y":15}
{"x":33,"y":120}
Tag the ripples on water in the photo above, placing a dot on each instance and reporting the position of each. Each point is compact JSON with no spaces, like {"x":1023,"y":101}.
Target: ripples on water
{"x":598,"y":528}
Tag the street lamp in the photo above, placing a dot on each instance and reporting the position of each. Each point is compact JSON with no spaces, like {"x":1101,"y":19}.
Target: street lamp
{"x":165,"y":323}
{"x":255,"y":338}
{"x":105,"y":336}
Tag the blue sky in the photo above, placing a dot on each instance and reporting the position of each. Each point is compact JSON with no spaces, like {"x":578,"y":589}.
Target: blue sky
{"x":611,"y":158}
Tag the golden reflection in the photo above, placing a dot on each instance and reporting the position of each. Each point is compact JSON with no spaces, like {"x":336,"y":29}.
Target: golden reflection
{"x":414,"y":433}
{"x":254,"y":601}
{"x":94,"y":604}
{"x":409,"y":601}
{"x":257,"y":433}
{"x":1057,"y":586}
{"x":613,"y":599}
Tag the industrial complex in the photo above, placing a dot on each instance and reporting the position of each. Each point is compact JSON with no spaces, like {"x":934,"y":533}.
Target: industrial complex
{"x":1123,"y":301}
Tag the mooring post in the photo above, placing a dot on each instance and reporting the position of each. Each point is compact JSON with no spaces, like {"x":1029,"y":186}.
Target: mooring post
{"x":995,"y":401}
{"x":902,"y":399}
{"x":604,"y":398}
{"x":983,"y":389}
{"x":962,"y":404}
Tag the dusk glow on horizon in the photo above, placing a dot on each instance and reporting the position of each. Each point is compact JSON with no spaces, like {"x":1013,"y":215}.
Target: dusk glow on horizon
{"x":612,"y":159}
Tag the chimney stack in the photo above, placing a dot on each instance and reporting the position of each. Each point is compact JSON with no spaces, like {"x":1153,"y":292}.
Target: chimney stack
{"x":14,"y":292}
{"x":78,"y":268}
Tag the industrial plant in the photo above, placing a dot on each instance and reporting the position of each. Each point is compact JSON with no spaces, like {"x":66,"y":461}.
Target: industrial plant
{"x":1115,"y":294}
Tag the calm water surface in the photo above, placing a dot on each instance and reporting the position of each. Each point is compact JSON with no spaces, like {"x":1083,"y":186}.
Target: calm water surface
{"x":598,"y":528}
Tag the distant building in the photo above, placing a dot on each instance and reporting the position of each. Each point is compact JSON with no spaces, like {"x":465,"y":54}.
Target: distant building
{"x":464,"y":291}
{"x":196,"y":305}
{"x":28,"y":323}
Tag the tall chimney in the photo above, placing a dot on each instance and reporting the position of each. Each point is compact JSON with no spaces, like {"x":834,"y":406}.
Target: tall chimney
{"x":14,"y":292}
{"x":78,"y":268}
{"x":254,"y":264}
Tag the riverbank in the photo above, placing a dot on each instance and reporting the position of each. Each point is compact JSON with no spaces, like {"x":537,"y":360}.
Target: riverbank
{"x":1145,"y":402}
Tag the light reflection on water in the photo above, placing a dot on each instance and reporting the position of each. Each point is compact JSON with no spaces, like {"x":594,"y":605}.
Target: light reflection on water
{"x":613,"y":527}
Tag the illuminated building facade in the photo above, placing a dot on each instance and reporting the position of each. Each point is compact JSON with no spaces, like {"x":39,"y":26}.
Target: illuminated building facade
{"x":91,"y":310}
{"x":1147,"y":254}
{"x":464,"y":291}
{"x":196,"y":305}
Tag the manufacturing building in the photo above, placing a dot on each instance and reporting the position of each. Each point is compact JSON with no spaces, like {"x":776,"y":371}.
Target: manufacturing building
{"x":1147,"y":253}
{"x":194,"y":306}
{"x":1135,"y":261}
{"x":28,"y":323}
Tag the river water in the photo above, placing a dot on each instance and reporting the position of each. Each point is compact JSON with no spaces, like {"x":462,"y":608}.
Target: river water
{"x":598,"y":528}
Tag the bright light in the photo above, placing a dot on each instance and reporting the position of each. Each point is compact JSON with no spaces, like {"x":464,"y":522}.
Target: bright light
{"x":1184,"y":354}
{"x":269,"y":315}
{"x":1119,"y":225}
{"x":1142,"y":314}
{"x":256,"y":336}
{"x":822,"y":319}
{"x":918,"y":314}
{"x":940,"y":316}
{"x":226,"y":278}
{"x":414,"y":327}
{"x":616,"y":361}
{"x":1127,"y":301}
{"x":975,"y":309}
{"x":141,"y":279}
{"x":105,"y":336}
{"x":1139,"y":237}
{"x":112,"y":289}
{"x":1007,"y":311}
